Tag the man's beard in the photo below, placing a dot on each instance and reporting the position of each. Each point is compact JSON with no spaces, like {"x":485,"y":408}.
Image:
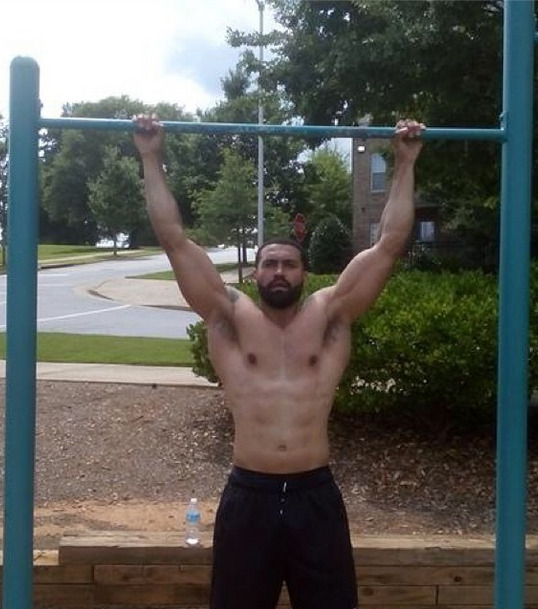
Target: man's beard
{"x":280,"y":299}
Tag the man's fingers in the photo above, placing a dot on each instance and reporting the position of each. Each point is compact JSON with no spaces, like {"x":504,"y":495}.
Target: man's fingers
{"x":146,"y":124}
{"x":409,"y":128}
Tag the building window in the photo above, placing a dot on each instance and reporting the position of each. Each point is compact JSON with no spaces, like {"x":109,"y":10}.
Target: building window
{"x":427,"y":231}
{"x":374,"y":230}
{"x":378,"y":173}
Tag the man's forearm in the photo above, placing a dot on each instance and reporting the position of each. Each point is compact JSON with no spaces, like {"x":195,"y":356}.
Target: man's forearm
{"x":399,"y":213}
{"x":163,"y":210}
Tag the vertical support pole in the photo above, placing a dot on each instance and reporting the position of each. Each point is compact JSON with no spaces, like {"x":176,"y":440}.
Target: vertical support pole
{"x":514,"y":304}
{"x":21,"y":336}
{"x":261,"y":213}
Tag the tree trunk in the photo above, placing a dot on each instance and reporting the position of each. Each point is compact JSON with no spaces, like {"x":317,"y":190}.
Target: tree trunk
{"x":239,"y":264}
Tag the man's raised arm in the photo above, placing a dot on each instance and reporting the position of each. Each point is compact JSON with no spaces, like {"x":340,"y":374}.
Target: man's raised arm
{"x":196,"y":275}
{"x":365,"y":276}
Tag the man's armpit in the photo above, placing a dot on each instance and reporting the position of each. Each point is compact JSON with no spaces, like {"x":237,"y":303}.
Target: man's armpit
{"x":333,"y":330}
{"x":233,"y":294}
{"x":223,"y":323}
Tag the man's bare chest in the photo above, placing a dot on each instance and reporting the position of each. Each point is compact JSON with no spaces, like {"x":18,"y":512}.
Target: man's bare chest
{"x":302,"y":345}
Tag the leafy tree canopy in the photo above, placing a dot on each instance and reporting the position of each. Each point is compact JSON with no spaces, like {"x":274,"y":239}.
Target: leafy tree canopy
{"x":115,"y":196}
{"x":438,"y":61}
{"x":328,"y":187}
{"x":73,"y":158}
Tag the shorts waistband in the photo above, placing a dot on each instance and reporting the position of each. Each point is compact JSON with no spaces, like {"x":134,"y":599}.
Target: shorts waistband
{"x":278,"y":482}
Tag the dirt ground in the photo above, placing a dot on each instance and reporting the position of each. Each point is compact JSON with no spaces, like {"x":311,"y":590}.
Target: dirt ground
{"x":128,"y":457}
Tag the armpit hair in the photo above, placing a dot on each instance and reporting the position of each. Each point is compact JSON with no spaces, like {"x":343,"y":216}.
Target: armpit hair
{"x":233,"y":294}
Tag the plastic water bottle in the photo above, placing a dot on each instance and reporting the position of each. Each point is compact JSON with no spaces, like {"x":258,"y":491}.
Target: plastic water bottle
{"x":192,"y":523}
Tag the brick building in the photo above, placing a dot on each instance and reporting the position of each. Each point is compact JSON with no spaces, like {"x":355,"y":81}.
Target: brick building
{"x":370,"y":188}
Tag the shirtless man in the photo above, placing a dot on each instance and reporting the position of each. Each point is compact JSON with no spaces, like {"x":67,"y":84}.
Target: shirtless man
{"x":281,"y":515}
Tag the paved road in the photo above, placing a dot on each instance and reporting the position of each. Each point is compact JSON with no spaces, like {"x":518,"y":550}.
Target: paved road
{"x":66,"y":302}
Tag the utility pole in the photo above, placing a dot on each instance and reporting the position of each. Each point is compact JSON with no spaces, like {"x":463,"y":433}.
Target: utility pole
{"x":261,"y":6}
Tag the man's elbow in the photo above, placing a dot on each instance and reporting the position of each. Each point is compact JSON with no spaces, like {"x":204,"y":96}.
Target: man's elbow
{"x":171,"y":240}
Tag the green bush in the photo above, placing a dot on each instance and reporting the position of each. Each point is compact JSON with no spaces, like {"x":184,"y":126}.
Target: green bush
{"x":428,"y":346}
{"x":202,"y":365}
{"x":330,"y":246}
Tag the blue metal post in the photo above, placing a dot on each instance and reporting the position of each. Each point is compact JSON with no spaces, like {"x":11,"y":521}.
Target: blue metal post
{"x":21,"y":336}
{"x":514,"y":304}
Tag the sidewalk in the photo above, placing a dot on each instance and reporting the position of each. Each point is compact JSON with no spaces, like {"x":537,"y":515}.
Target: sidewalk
{"x":115,"y":373}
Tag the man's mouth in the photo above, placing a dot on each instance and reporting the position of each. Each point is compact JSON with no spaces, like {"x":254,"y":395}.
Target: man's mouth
{"x":279,"y":285}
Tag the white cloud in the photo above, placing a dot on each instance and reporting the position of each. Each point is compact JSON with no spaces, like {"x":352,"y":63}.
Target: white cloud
{"x":162,"y":50}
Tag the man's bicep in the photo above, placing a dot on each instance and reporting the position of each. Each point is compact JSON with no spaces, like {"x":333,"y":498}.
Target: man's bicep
{"x":198,"y":279}
{"x":361,"y":282}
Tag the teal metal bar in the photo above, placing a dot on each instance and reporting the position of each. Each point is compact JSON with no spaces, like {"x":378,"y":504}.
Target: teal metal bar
{"x":21,"y":336}
{"x":282,"y":130}
{"x":514,"y":280}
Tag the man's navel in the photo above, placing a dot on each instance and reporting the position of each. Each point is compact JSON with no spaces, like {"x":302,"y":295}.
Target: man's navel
{"x":252,"y":359}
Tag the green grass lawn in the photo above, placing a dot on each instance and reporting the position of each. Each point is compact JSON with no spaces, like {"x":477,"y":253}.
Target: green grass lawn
{"x":85,"y":253}
{"x":82,"y":254}
{"x":88,"y":348}
{"x":50,"y":251}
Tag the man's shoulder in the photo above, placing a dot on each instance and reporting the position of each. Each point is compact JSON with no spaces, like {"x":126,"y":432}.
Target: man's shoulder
{"x":321,"y":297}
{"x":235,"y":302}
{"x":237,"y":297}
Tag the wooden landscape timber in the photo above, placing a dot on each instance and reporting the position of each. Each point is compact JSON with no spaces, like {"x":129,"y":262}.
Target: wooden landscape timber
{"x":143,"y":569}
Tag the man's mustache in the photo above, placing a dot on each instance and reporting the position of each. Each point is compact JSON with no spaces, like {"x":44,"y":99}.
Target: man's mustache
{"x":279,"y":283}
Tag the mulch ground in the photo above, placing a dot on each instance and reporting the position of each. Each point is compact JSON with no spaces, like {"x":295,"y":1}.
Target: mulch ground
{"x":139,"y":448}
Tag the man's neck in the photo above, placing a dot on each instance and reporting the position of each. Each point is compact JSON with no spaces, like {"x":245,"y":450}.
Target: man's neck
{"x":280,"y":317}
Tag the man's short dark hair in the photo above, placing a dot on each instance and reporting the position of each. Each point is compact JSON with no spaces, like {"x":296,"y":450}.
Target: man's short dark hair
{"x":283,"y":241}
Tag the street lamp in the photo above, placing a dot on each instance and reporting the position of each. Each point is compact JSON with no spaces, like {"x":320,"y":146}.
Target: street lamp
{"x":261,"y":6}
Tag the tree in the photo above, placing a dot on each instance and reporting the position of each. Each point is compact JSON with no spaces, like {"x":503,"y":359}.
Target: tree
{"x":439,"y":61}
{"x":73,"y":158}
{"x":115,"y":196}
{"x":350,"y":58}
{"x":328,"y":188}
{"x":330,"y":247}
{"x":65,"y":190}
{"x":227,"y":213}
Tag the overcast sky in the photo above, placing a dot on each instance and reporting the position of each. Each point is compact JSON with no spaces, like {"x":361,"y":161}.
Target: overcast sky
{"x":159,"y":50}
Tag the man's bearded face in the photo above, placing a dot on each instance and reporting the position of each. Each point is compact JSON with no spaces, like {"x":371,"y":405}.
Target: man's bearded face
{"x":279,"y":293}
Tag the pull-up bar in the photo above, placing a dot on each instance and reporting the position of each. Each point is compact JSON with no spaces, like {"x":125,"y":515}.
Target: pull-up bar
{"x":515,"y":136}
{"x":306,"y":131}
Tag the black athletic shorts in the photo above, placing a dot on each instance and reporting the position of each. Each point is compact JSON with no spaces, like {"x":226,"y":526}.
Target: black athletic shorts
{"x":273,"y":528}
